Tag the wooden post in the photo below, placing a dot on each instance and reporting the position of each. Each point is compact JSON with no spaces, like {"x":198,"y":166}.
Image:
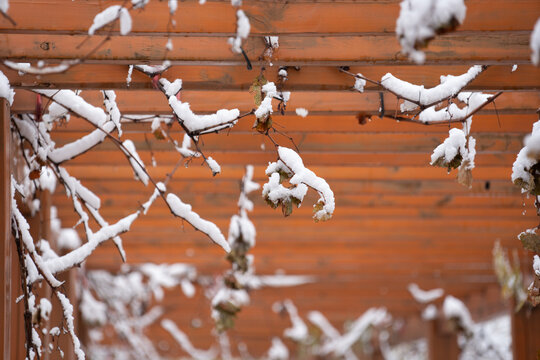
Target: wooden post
{"x":526,"y":333}
{"x":5,"y":230}
{"x":442,"y":342}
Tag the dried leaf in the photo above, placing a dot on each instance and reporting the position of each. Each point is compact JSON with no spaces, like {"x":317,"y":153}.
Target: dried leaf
{"x":464,"y":176}
{"x":530,"y":240}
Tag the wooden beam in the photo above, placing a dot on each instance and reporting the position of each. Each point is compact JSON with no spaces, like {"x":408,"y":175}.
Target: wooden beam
{"x":525,"y":333}
{"x":267,"y":17}
{"x":317,"y":102}
{"x":307,"y":78}
{"x":456,"y":48}
{"x":442,"y":343}
{"x":6,"y":300}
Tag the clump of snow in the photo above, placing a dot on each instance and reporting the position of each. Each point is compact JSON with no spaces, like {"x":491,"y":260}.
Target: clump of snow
{"x":242,"y":32}
{"x":5,"y":90}
{"x":430,"y":312}
{"x":423,"y":296}
{"x":290,"y":164}
{"x":265,"y":109}
{"x":453,"y":152}
{"x":185,"y":149}
{"x":278,"y":351}
{"x":184,"y":211}
{"x":359,"y":83}
{"x":129,"y":74}
{"x":514,"y":67}
{"x":109,"y":15}
{"x":4,"y":6}
{"x":302,"y":112}
{"x":420,"y":20}
{"x":173,"y":5}
{"x":214,"y":166}
{"x":536,"y":265}
{"x":526,"y":159}
{"x":299,"y":331}
{"x":272,"y":41}
{"x":454,"y":308}
{"x":535,"y":43}
{"x":68,"y":239}
{"x":47,"y":180}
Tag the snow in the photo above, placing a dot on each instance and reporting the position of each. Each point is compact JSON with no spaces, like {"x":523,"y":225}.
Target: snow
{"x":242,"y":32}
{"x":68,"y":317}
{"x":273,"y":41}
{"x":45,"y":308}
{"x":26,"y":68}
{"x":359,"y":83}
{"x":454,"y":308}
{"x":94,"y":312}
{"x":82,"y":145}
{"x":4,"y":6}
{"x":514,"y":67}
{"x":299,"y":331}
{"x":265,"y":108}
{"x":536,"y":265}
{"x":169,"y":45}
{"x":80,"y":254}
{"x":453,"y":145}
{"x":450,"y":86}
{"x":319,"y":320}
{"x":526,"y":159}
{"x":171,"y":89}
{"x":185,"y":150}
{"x":302,"y":112}
{"x":73,"y":102}
{"x":5,"y":90}
{"x":421,"y":20}
{"x":109,"y":15}
{"x":160,"y":188}
{"x":109,"y":100}
{"x":173,"y":5}
{"x":68,"y":239}
{"x":136,"y":162}
{"x":535,"y":43}
{"x":278,"y":351}
{"x":201,"y":124}
{"x":339,"y":346}
{"x":47,"y":180}
{"x":214,"y":166}
{"x":184,"y":211}
{"x":430,"y":312}
{"x":423,"y":296}
{"x":184,"y":342}
{"x":283,"y":72}
{"x":128,"y":77}
{"x":303,"y":175}
{"x":75,"y":188}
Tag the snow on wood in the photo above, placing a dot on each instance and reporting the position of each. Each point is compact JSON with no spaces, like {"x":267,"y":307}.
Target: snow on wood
{"x":420,"y":20}
{"x":5,"y":90}
{"x":184,"y":211}
{"x":424,"y":296}
{"x":110,"y":14}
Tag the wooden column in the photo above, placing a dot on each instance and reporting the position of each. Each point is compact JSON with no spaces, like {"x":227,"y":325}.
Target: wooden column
{"x":5,"y":230}
{"x":526,"y":333}
{"x":442,"y":342}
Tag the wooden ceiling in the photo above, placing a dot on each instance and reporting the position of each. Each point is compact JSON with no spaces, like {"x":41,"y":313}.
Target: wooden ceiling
{"x":397,"y":219}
